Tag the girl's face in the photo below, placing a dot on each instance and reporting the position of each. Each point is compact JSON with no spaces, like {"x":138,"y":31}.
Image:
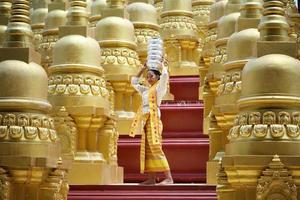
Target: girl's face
{"x":151,"y":78}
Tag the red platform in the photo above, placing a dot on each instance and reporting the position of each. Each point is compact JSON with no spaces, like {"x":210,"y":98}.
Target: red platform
{"x":137,"y":192}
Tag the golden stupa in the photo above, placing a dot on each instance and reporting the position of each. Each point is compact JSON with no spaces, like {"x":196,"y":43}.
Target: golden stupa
{"x":30,"y":155}
{"x":214,"y":122}
{"x":267,"y":120}
{"x":120,"y":60}
{"x":56,"y":17}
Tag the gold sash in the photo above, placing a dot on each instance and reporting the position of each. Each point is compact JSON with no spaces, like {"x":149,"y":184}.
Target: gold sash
{"x":137,"y":125}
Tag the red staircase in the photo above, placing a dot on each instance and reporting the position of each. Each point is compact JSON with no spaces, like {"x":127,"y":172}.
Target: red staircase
{"x":184,"y":144}
{"x":137,"y":192}
{"x":185,"y":147}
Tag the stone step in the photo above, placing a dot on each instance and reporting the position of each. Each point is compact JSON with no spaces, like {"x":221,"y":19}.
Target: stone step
{"x":187,"y":158}
{"x":185,"y":88}
{"x":140,"y":192}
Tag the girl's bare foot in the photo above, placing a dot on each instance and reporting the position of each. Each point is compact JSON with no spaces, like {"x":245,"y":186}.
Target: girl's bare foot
{"x":167,"y":181}
{"x":149,"y":181}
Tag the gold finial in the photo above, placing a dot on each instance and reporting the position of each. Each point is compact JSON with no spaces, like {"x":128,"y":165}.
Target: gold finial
{"x":251,"y":13}
{"x":276,"y":163}
{"x":5,"y":7}
{"x":116,"y":3}
{"x":77,"y":14}
{"x":273,"y":25}
{"x":251,"y":9}
{"x":19,"y":33}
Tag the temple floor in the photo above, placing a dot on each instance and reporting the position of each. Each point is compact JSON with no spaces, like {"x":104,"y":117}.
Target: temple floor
{"x":138,"y":192}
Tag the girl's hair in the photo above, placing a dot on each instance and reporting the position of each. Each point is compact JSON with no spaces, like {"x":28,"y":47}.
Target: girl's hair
{"x":156,"y":72}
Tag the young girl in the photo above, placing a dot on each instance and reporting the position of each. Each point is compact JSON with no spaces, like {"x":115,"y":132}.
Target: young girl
{"x":147,"y":122}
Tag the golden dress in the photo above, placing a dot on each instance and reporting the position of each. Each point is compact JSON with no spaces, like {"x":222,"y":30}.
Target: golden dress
{"x":147,"y":122}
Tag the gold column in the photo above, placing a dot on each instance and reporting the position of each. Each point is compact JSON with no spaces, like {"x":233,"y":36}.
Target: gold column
{"x":5,"y":8}
{"x":56,"y":17}
{"x":180,"y":35}
{"x":225,"y":27}
{"x":115,"y":34}
{"x":29,"y":147}
{"x":267,"y":123}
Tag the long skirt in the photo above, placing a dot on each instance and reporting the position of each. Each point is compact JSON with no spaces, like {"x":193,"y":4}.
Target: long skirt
{"x":153,"y":158}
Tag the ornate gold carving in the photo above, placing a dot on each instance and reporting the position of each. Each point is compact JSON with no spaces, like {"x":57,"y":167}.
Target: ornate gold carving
{"x":46,"y":47}
{"x":269,"y":117}
{"x":26,"y":126}
{"x":276,"y":183}
{"x":201,"y":10}
{"x":122,"y":56}
{"x":264,"y":124}
{"x":178,"y":22}
{"x":67,"y":131}
{"x":220,"y":54}
{"x":55,"y":186}
{"x":230,"y":83}
{"x":75,"y":84}
{"x":4,"y":185}
{"x":143,"y":34}
{"x":38,"y":37}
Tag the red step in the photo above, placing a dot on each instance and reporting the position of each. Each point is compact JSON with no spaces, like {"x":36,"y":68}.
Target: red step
{"x":139,"y":192}
{"x":182,"y":119}
{"x":185,"y":88}
{"x":187,"y":158}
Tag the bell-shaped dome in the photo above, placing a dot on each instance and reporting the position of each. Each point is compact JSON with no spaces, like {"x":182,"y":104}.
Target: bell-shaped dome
{"x":226,"y":25}
{"x":217,"y":10}
{"x":183,"y":5}
{"x":97,"y":7}
{"x":270,"y":76}
{"x":143,"y":13}
{"x":76,"y":49}
{"x":238,"y":41}
{"x":115,"y":29}
{"x":38,"y":16}
{"x":55,"y":19}
{"x":30,"y":92}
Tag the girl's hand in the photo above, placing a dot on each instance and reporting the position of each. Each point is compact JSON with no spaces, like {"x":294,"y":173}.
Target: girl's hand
{"x":145,"y":66}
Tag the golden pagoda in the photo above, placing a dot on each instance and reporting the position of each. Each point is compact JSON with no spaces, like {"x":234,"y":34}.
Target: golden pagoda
{"x":120,"y":60}
{"x":77,"y":84}
{"x":31,"y":167}
{"x":38,"y":16}
{"x":144,"y":18}
{"x":201,"y":11}
{"x":96,"y":10}
{"x":180,"y":35}
{"x":267,"y":120}
{"x":214,"y":122}
{"x":56,"y":17}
